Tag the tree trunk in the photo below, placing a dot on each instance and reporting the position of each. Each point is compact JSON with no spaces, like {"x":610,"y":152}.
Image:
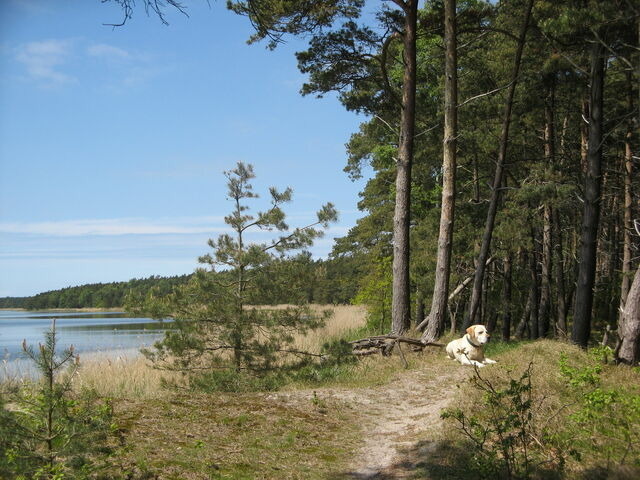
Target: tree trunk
{"x":497,"y":181}
{"x":591,"y":213}
{"x":629,"y":331}
{"x":506,"y":299}
{"x":544,"y":313}
{"x":524,"y":319}
{"x":628,"y":203}
{"x":419,"y":305}
{"x":561,"y":315}
{"x":435,"y":325}
{"x":535,"y":290}
{"x":584,"y":136}
{"x":400,"y":303}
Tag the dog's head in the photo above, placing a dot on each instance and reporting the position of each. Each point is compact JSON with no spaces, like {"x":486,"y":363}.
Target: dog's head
{"x":478,"y":334}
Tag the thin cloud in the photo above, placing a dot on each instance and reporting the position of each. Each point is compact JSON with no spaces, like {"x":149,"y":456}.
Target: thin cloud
{"x":43,"y":60}
{"x":108,"y":52}
{"x":136,"y":226}
{"x":112,"y":227}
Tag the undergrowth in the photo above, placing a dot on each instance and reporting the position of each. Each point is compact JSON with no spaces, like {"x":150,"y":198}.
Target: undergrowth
{"x":549,"y":410}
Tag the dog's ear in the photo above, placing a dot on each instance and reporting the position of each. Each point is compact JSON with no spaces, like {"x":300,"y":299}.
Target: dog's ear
{"x":470,"y":331}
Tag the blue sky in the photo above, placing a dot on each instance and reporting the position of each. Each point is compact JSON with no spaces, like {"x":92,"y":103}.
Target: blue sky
{"x":113,"y":141}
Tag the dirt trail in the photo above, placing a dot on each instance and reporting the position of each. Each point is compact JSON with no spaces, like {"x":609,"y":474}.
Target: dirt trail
{"x":393,"y":416}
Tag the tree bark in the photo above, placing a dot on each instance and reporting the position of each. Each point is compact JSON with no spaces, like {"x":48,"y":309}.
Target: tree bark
{"x":506,"y":298}
{"x":497,"y":181}
{"x":400,"y":303}
{"x":591,"y":214}
{"x":629,"y":331}
{"x":561,"y":315}
{"x":544,"y":313}
{"x":628,"y":203}
{"x":419,"y":305}
{"x":535,"y":289}
{"x":437,"y":315}
{"x":521,"y":329}
{"x":584,"y":136}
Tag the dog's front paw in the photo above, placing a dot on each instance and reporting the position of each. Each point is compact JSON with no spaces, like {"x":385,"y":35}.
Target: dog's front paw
{"x":488,"y":361}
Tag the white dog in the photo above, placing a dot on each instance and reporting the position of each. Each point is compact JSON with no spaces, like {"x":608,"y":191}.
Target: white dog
{"x":469,"y":349}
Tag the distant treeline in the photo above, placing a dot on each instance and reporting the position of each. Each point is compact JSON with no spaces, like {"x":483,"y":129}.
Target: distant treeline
{"x":315,"y":281}
{"x":95,"y":295}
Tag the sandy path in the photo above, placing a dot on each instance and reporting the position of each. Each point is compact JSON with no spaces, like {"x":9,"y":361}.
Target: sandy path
{"x":393,"y":417}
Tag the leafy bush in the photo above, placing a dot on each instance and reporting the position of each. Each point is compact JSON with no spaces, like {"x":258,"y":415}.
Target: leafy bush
{"x":572,"y":416}
{"x":505,"y":438}
{"x":606,"y":422}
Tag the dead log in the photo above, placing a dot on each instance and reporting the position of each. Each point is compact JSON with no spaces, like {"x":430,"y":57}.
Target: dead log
{"x":385,"y":344}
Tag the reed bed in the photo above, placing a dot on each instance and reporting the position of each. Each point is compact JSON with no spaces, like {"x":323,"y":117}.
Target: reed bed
{"x":126,"y":375}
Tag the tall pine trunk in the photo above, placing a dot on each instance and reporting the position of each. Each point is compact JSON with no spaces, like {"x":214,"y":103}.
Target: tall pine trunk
{"x":628,"y":202}
{"x":436,"y":319}
{"x":591,"y":212}
{"x":400,"y":302}
{"x":544,"y":313}
{"x":506,"y":299}
{"x":476,"y":293}
{"x":535,"y":289}
{"x":561,"y":315}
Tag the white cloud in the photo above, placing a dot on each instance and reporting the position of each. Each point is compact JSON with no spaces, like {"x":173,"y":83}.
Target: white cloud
{"x":118,"y":226}
{"x":109,"y":52}
{"x":44,"y":59}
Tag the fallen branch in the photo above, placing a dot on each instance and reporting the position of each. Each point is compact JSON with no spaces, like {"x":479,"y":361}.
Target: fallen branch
{"x":385,"y":344}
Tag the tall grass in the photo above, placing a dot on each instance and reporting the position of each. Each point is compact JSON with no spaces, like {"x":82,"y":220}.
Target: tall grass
{"x":122,"y":376}
{"x":132,"y":376}
{"x":344,"y":319}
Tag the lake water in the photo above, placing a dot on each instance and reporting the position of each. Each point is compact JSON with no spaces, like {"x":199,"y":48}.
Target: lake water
{"x":86,"y":331}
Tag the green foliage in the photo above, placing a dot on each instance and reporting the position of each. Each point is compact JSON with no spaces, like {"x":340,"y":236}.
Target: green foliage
{"x":321,"y":281}
{"x":504,"y":435}
{"x":375,"y":293}
{"x":217,"y":325}
{"x":97,"y":295}
{"x":274,"y":19}
{"x":48,"y":430}
{"x":606,"y":422}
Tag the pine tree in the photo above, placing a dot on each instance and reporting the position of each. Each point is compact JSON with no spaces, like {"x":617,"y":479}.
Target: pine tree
{"x":217,"y":323}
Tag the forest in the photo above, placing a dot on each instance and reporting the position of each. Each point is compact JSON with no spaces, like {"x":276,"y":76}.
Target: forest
{"x":501,"y":145}
{"x":317,"y":281}
{"x":503,"y":140}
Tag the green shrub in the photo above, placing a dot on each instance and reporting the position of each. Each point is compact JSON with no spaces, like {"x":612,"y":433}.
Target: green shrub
{"x":605,"y":425}
{"x":505,"y":438}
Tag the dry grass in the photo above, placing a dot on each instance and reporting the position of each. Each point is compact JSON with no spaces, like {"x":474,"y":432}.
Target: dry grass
{"x":123,"y":376}
{"x":130,"y":375}
{"x":240,"y":436}
{"x":344,"y":318}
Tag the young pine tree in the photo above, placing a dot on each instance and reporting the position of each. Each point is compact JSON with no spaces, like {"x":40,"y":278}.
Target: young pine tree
{"x":49,"y":430}
{"x":217,"y":322}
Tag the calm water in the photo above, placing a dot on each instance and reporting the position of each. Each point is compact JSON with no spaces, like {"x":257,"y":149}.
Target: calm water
{"x":86,"y":331}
